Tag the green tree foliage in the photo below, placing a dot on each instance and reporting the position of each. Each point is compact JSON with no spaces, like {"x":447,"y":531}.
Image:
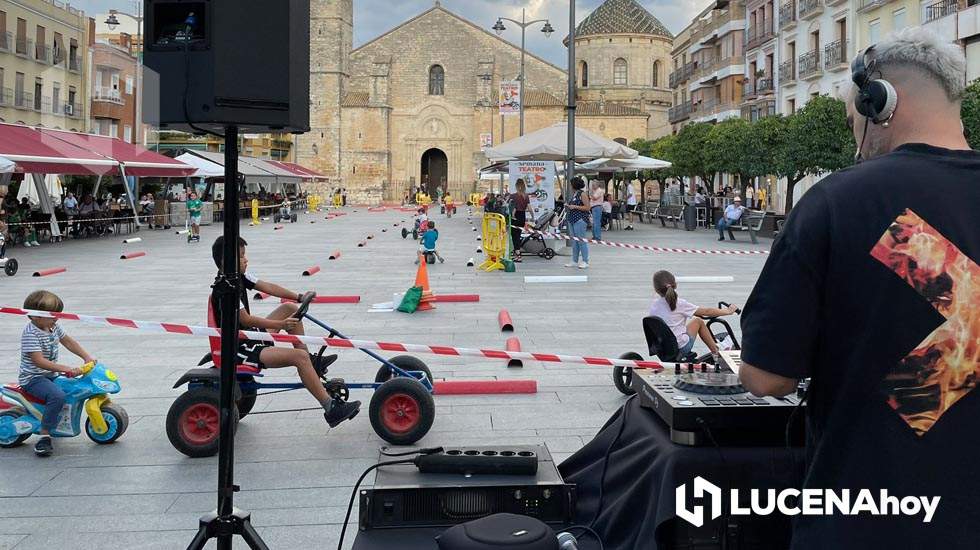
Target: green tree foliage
{"x":729,"y":147}
{"x":766,"y":136}
{"x":690,"y":151}
{"x":971,"y":114}
{"x":662,"y":149}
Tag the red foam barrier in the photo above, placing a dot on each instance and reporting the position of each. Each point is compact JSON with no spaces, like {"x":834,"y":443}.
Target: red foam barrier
{"x":377,"y":209}
{"x":51,"y":271}
{"x":484,"y":387}
{"x":277,"y":228}
{"x":505,"y":322}
{"x":457,"y":297}
{"x":370,"y":237}
{"x":513,"y":344}
{"x":334,"y":255}
{"x":132,"y":255}
{"x":325,"y":300}
{"x":313,"y":270}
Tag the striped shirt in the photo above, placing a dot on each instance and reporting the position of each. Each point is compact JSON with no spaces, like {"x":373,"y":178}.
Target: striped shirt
{"x":36,"y":339}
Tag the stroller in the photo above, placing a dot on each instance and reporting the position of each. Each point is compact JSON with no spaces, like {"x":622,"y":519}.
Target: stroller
{"x":544,"y":223}
{"x":9,"y":265}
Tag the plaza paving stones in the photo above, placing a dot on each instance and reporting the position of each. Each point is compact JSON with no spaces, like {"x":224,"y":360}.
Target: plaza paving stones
{"x":295,"y":476}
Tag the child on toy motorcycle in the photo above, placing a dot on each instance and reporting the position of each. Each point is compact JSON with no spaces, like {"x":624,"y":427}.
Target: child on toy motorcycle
{"x":266,"y":355}
{"x":428,"y":241}
{"x":39,"y":362}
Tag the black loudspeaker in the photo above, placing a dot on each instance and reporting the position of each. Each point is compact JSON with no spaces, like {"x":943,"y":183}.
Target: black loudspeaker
{"x":217,"y":63}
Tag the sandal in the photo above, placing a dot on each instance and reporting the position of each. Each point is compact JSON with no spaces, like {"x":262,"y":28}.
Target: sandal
{"x":517,"y":259}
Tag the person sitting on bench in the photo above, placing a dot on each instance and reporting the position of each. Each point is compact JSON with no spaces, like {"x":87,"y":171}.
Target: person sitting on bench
{"x":266,"y":355}
{"x":733,"y":213}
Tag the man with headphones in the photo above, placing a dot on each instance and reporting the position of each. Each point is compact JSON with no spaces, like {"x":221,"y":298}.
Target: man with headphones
{"x":872,"y":291}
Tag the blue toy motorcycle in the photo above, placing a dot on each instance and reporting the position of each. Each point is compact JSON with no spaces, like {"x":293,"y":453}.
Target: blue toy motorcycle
{"x":106,"y":421}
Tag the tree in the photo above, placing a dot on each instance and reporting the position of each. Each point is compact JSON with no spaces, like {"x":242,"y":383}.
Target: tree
{"x":661,"y":149}
{"x":970,"y":113}
{"x":766,"y":136}
{"x":728,"y":148}
{"x":690,"y":152}
{"x":817,"y":141}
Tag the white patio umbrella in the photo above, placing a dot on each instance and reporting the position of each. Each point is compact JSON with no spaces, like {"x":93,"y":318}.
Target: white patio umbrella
{"x":551,"y":144}
{"x":625,"y":165}
{"x":6,"y":166}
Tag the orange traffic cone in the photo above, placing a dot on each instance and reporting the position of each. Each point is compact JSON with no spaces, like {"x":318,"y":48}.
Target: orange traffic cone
{"x":422,"y":280}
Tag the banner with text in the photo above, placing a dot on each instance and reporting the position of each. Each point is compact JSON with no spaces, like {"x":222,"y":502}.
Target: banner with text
{"x":510,"y":98}
{"x":539,"y":177}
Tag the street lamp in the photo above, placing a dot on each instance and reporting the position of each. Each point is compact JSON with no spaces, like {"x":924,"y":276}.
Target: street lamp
{"x":523,"y":24}
{"x":112,"y":22}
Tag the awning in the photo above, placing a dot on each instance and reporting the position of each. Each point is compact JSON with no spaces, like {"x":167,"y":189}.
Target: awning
{"x":204,"y":168}
{"x":244,"y":168}
{"x":625,"y":165}
{"x":136,"y":160}
{"x":269,"y":167}
{"x":551,"y":143}
{"x":300,"y":170}
{"x":39,"y":153}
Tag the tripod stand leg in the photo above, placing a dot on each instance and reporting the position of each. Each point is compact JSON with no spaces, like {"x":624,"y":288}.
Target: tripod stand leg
{"x":224,"y":528}
{"x":251,"y":536}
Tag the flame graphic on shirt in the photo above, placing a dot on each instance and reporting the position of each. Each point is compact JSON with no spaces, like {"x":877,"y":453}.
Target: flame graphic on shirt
{"x":945,"y":366}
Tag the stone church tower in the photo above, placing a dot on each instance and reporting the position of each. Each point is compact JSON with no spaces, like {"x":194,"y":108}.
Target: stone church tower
{"x":331,"y":41}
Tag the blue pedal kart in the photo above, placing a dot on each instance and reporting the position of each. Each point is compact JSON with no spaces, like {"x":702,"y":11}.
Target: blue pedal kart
{"x":401,"y":409}
{"x":105,"y":423}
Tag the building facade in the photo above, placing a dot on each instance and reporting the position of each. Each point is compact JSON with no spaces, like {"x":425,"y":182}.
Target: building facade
{"x":761,"y":59}
{"x":709,"y":60}
{"x":413,"y":107}
{"x":113,"y":93}
{"x":44,"y":64}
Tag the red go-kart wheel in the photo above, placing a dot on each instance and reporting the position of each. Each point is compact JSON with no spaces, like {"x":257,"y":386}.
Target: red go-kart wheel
{"x":402,"y":411}
{"x":193,"y":422}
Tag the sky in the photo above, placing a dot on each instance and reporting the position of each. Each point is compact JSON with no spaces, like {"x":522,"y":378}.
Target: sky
{"x":374,"y":17}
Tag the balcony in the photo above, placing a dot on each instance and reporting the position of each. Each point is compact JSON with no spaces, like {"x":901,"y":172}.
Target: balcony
{"x":6,"y":96}
{"x":6,"y":40}
{"x":679,"y":112}
{"x":682,"y":74}
{"x":868,"y":5}
{"x":74,"y":63}
{"x":23,"y":100}
{"x":835,"y":55}
{"x":941,"y":9}
{"x":763,"y":85}
{"x":810,"y":65}
{"x":787,"y":15}
{"x":834,"y":2}
{"x":24,"y":45}
{"x":706,"y":67}
{"x":748,"y":90}
{"x":759,"y":110}
{"x":705,"y":107}
{"x":73,"y":110}
{"x":57,"y":56}
{"x":787,"y":72}
{"x":757,"y":37}
{"x":42,"y":54}
{"x":107,"y":94}
{"x":810,"y":8}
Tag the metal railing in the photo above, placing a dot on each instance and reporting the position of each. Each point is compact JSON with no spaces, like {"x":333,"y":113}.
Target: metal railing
{"x":787,"y":71}
{"x":75,"y":110}
{"x":705,"y":107}
{"x":757,"y":37}
{"x":706,"y":66}
{"x":748,"y":89}
{"x":787,"y":14}
{"x":105,"y":93}
{"x":941,"y":9}
{"x":23,"y":100}
{"x":42,"y":53}
{"x":58,"y":107}
{"x":6,"y":96}
{"x":682,"y":73}
{"x":57,"y":55}
{"x":810,"y":64}
{"x":6,"y":40}
{"x":835,"y":54}
{"x":763,"y":85}
{"x":759,"y":110}
{"x":867,"y":5}
{"x":809,"y":8}
{"x":24,"y":46}
{"x":679,"y":112}
{"x":74,"y":63}
{"x":38,"y":103}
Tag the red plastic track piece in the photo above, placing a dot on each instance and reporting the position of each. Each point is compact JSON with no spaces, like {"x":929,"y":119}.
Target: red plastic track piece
{"x":513,"y":344}
{"x":131,"y":255}
{"x":457,"y":297}
{"x":505,"y":322}
{"x":484,"y":387}
{"x":334,"y":255}
{"x":312,"y":270}
{"x":51,"y":271}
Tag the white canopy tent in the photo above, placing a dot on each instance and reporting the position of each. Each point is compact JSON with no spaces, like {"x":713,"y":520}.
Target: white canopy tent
{"x":607,"y":165}
{"x":551,"y":144}
{"x":6,"y":166}
{"x":205,"y":168}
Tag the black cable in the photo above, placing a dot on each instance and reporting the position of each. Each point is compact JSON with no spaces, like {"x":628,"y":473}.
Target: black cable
{"x":860,"y":151}
{"x":605,"y":460}
{"x":350,"y":505}
{"x":426,"y":451}
{"x":590,"y":531}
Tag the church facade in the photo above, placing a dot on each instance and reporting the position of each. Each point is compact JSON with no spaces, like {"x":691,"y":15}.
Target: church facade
{"x":418,"y":104}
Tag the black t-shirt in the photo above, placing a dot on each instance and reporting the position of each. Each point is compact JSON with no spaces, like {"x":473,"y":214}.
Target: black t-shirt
{"x":247,"y":284}
{"x":873,"y":290}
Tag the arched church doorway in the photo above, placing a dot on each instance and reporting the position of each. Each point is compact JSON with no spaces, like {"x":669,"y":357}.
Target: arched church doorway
{"x":435,"y":170}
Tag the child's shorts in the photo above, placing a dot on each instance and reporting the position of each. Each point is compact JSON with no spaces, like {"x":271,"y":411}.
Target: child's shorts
{"x":250,"y":353}
{"x":195,"y":220}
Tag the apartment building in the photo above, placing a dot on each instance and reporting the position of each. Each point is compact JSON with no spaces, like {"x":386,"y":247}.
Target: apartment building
{"x":44,"y":47}
{"x":711,"y":66}
{"x":761,"y":59}
{"x":682,"y":70}
{"x":113,"y":107}
{"x":816,"y":47}
{"x":264,"y":146}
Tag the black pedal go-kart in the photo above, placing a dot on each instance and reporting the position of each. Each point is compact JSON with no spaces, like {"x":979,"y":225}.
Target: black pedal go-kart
{"x":9,"y":265}
{"x":416,"y":231}
{"x":285,"y":214}
{"x":662,"y":344}
{"x":401,"y":409}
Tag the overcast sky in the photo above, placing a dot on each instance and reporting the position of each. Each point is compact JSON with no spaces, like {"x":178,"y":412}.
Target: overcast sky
{"x":374,"y":17}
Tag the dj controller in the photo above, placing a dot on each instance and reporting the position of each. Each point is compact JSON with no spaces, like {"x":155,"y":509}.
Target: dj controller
{"x":706,"y":405}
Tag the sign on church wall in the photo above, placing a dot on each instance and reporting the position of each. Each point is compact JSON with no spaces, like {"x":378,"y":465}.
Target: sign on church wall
{"x":510,"y":97}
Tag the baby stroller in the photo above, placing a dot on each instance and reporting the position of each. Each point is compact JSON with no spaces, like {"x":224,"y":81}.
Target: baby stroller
{"x":9,"y":265}
{"x":285,"y":213}
{"x":545,"y":223}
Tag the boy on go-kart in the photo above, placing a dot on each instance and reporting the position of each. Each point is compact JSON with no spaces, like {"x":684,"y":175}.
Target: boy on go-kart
{"x":266,"y":355}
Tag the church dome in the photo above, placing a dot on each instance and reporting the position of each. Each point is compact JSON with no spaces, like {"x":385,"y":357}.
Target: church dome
{"x":621,"y":17}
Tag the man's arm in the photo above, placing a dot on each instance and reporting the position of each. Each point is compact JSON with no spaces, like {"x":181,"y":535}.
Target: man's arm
{"x":762,"y":383}
{"x":277,"y":291}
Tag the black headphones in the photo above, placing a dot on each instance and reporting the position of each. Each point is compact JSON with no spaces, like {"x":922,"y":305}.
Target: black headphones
{"x":876,"y":98}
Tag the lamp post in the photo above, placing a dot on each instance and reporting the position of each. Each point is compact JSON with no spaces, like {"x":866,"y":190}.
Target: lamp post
{"x":112,"y":22}
{"x":523,"y":24}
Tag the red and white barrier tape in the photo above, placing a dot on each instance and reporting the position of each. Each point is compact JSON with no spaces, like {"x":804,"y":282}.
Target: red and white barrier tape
{"x":647,"y":248}
{"x":78,"y":219}
{"x":190,"y":330}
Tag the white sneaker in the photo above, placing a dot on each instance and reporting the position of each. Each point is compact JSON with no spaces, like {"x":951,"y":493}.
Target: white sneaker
{"x":27,"y":244}
{"x":35,"y":243}
{"x":573,"y":264}
{"x":583,"y":265}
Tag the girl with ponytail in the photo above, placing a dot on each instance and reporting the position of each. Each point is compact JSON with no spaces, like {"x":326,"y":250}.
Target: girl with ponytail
{"x":683,"y":317}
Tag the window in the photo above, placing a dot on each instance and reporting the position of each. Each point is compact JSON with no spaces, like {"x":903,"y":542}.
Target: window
{"x":437,"y":80}
{"x":874,"y":29}
{"x":38,"y":90}
{"x":128,"y":133}
{"x":71,"y":96}
{"x":114,"y":128}
{"x":656,"y":73}
{"x":56,"y":98}
{"x":620,"y":72}
{"x":129,"y":85}
{"x":790,"y":106}
{"x":584,"y":73}
{"x":900,"y":20}
{"x":115,"y":83}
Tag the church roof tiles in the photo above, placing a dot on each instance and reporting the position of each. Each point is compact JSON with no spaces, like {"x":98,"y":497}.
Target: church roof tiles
{"x":621,"y":17}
